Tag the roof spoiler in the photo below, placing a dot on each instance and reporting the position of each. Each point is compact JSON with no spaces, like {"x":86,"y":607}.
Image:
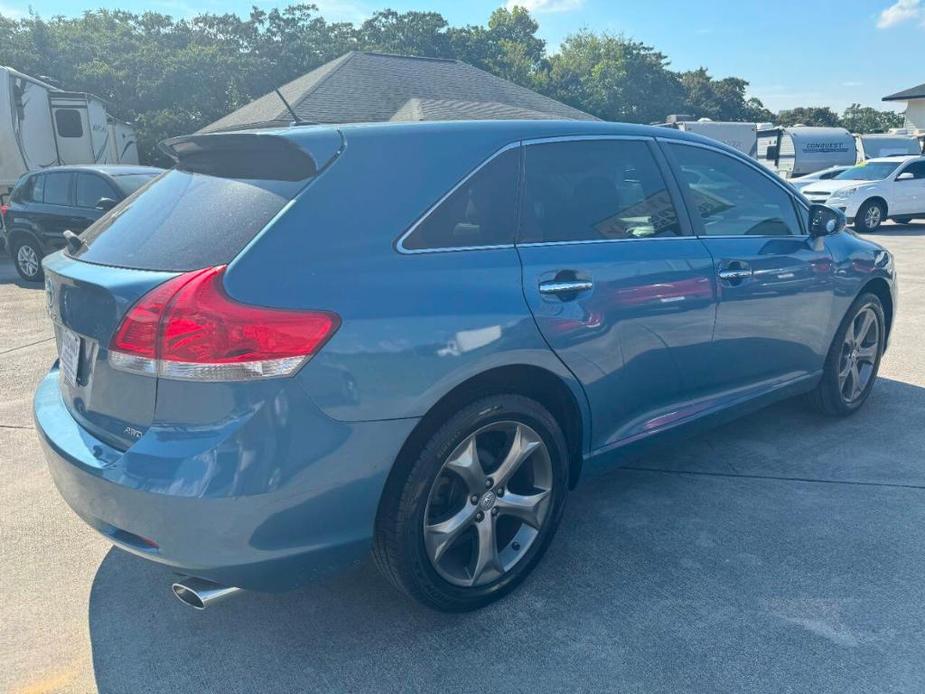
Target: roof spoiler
{"x":259,"y":156}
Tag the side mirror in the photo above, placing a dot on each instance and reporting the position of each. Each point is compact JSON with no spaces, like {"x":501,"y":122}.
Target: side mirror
{"x":105,"y":204}
{"x":905,"y":176}
{"x":825,"y":221}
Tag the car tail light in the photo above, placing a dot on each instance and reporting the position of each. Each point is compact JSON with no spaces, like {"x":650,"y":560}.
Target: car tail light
{"x":3,"y":209}
{"x":188,"y":328}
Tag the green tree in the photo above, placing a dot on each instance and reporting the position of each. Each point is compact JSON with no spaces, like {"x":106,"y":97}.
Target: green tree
{"x":864,"y":119}
{"x":809,"y":115}
{"x":614,"y":78}
{"x":722,"y":99}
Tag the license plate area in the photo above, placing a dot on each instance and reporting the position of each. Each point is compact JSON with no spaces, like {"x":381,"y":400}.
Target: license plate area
{"x":69,"y":356}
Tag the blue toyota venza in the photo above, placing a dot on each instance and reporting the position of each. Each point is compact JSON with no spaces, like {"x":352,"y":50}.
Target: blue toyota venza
{"x":300,"y":345}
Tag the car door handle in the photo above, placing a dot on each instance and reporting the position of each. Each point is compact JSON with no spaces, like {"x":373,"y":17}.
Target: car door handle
{"x":736,"y":275}
{"x":557,"y":287}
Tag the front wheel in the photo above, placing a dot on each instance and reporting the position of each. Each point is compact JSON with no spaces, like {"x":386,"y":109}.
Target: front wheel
{"x":870,"y":216}
{"x":27,"y":257}
{"x":854,"y":359}
{"x":467,"y":520}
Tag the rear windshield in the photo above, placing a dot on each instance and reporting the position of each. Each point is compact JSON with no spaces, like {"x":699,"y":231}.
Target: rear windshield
{"x":184,"y":221}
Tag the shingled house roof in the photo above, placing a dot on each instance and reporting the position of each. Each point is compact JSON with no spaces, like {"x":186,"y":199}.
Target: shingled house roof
{"x":363,"y":87}
{"x":911,"y":93}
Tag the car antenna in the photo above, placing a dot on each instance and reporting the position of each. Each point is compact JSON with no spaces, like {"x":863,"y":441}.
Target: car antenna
{"x":295,"y":116}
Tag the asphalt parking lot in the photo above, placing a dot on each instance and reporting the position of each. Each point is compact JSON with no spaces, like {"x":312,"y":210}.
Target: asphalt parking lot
{"x":782,"y":552}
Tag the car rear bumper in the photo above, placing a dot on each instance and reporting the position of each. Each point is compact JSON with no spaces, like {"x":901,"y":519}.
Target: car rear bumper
{"x":160,"y":499}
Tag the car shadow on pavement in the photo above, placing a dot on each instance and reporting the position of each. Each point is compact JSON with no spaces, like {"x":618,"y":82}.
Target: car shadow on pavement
{"x":911,"y":229}
{"x":8,"y":275}
{"x":782,"y":548}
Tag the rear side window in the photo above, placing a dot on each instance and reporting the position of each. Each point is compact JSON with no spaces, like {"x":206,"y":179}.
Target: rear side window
{"x":58,"y":188}
{"x":480,"y":212}
{"x":595,"y":190}
{"x":91,"y":189}
{"x":185,"y":221}
{"x":129,"y":183}
{"x":68,"y":122}
{"x":730,"y":198}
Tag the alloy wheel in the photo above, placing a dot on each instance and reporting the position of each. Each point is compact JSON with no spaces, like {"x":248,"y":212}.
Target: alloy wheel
{"x":28,"y":260}
{"x":873,"y":217}
{"x":859,"y":353}
{"x":488,"y":503}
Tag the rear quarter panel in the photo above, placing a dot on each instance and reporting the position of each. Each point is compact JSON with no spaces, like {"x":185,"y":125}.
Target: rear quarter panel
{"x":413,"y":326}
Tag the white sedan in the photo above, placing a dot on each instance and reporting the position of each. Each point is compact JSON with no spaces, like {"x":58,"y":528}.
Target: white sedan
{"x":877,"y":189}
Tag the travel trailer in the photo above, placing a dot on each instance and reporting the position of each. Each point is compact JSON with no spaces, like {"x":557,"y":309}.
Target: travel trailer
{"x":874,"y":145}
{"x":741,"y":136}
{"x":42,"y":125}
{"x":123,"y":147}
{"x":800,"y":150}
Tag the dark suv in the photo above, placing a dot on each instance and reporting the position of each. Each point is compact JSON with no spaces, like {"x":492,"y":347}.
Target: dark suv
{"x":44,"y":204}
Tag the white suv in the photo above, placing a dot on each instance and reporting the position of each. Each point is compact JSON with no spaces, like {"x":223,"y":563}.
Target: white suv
{"x":874,"y":190}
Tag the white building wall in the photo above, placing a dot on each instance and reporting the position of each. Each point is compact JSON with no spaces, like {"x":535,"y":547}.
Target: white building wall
{"x":915,"y":114}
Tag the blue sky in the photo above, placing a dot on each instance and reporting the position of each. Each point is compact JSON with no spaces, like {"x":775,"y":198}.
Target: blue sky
{"x":793,"y":52}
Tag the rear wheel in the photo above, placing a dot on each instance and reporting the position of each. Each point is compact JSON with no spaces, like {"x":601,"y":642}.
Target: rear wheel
{"x":27,"y":257}
{"x":468,"y":519}
{"x":870,"y":216}
{"x":853,"y":360}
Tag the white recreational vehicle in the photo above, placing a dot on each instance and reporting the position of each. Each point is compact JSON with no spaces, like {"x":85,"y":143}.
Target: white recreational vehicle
{"x":41,"y":126}
{"x":874,"y":145}
{"x":800,"y":150}
{"x":741,"y":136}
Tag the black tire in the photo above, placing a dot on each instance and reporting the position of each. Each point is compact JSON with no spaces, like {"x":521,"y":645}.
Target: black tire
{"x":829,"y":397}
{"x":902,"y":220}
{"x":870,"y":216}
{"x":399,"y":543}
{"x":23,"y":250}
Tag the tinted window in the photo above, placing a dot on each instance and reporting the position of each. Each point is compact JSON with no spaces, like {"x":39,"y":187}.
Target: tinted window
{"x":37,"y":193}
{"x":91,"y":188}
{"x":185,"y":221}
{"x":129,"y":183}
{"x":733,"y":199}
{"x":68,"y":122}
{"x":595,"y":190}
{"x":917,"y":169}
{"x":478,"y":213}
{"x":58,"y":188}
{"x":25,"y":190}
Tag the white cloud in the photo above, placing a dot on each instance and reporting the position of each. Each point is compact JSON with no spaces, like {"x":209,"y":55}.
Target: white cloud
{"x":546,"y":6}
{"x":899,"y":12}
{"x":12,"y":12}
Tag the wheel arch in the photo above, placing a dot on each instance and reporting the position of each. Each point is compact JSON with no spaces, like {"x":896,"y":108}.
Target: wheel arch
{"x":879,"y":287}
{"x":535,"y":382}
{"x":880,"y":199}
{"x":16,"y":233}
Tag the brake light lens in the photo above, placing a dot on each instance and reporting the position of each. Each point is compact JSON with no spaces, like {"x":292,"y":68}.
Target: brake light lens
{"x":188,"y":328}
{"x":3,"y":209}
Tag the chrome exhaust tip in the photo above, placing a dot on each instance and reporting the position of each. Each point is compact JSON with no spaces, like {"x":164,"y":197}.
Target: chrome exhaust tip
{"x":199,"y":593}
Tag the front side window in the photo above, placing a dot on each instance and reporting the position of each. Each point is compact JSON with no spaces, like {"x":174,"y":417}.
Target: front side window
{"x":58,"y":188}
{"x":68,"y":122}
{"x":91,"y":189}
{"x":480,"y":212}
{"x":730,"y":198}
{"x":917,"y":170}
{"x":595,"y":190}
